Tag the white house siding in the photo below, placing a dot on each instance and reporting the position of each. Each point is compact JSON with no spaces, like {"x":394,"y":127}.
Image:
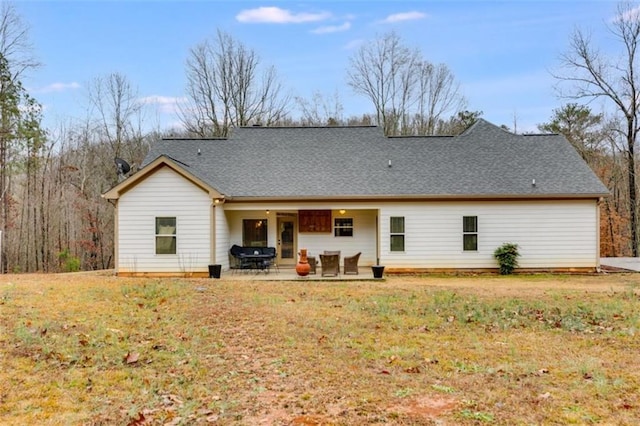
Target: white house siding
{"x":364,"y":223}
{"x":165,"y":193}
{"x":550,"y":234}
{"x":222,"y":238}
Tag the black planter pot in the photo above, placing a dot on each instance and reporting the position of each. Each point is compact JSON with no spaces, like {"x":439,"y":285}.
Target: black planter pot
{"x":214,"y":271}
{"x":378,"y":270}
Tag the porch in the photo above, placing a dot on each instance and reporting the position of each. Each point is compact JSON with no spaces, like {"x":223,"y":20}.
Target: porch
{"x":289,"y":274}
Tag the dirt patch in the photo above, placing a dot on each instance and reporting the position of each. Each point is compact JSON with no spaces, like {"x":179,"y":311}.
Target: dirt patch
{"x":425,"y":407}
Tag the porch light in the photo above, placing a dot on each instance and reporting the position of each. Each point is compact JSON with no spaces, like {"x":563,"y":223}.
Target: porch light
{"x":342,"y":211}
{"x":267,"y":211}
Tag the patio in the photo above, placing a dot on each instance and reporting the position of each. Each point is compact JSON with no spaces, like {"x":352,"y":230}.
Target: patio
{"x":289,"y":274}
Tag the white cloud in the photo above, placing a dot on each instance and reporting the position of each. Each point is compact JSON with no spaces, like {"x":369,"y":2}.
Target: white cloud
{"x":405,"y":16}
{"x":165,"y":104}
{"x":275,"y":15}
{"x":332,"y":28}
{"x":58,"y":87}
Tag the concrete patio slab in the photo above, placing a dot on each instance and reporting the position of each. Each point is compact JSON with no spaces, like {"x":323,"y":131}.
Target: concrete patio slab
{"x":627,"y":263}
{"x":289,"y":274}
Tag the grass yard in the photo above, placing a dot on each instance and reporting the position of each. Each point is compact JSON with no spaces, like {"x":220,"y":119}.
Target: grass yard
{"x":539,"y":349}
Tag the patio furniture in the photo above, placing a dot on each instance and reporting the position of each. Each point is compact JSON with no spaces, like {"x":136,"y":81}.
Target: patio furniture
{"x":252,"y":258}
{"x":312,"y":263}
{"x":351,"y":264}
{"x":330,"y":264}
{"x":335,"y":253}
{"x":272,"y":261}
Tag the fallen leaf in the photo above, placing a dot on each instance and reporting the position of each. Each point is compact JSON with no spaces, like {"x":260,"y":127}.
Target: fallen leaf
{"x":545,"y":395}
{"x":137,"y":421}
{"x":384,"y":372}
{"x":131,"y":358}
{"x":174,"y":422}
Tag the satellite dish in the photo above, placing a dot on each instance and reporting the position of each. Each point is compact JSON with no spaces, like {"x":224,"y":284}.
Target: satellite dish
{"x":123,"y":166}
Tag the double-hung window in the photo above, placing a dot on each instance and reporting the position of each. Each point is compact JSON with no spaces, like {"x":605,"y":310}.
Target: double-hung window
{"x":396,"y":234}
{"x":166,"y":235}
{"x":343,"y":227}
{"x":470,"y":233}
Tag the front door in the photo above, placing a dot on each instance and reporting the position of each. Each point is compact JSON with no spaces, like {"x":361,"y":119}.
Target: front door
{"x":287,"y":241}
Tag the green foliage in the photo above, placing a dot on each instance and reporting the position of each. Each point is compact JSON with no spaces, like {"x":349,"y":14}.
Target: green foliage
{"x":69,"y":263}
{"x":507,"y":256}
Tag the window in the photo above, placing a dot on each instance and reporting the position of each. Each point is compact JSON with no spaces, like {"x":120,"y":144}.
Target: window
{"x":397,"y":233}
{"x":343,"y":227}
{"x":470,"y":233}
{"x":254,"y":232}
{"x":165,"y":235}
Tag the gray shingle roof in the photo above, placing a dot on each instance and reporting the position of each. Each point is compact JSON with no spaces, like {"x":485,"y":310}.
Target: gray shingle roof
{"x":344,"y":162}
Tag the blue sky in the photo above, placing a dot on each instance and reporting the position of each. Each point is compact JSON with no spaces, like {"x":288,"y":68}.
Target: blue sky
{"x":501,"y":52}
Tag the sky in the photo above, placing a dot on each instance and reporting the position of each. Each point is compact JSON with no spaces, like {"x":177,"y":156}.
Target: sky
{"x":502,"y":53}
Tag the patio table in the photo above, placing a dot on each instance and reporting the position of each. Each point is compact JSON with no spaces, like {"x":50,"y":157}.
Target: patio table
{"x":257,"y":261}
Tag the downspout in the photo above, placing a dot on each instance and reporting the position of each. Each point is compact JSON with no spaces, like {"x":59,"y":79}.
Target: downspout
{"x":598,"y":204}
{"x":116,"y":237}
{"x":378,"y":238}
{"x":212,"y":240}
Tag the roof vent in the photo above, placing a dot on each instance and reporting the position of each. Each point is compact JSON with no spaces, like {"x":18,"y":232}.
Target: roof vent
{"x":533,"y":182}
{"x":199,"y":152}
{"x":389,"y":163}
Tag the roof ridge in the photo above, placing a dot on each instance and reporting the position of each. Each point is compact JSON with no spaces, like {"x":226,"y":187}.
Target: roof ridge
{"x":309,"y":127}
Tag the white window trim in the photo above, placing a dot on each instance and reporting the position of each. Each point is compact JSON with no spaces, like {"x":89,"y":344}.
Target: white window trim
{"x":175,"y":235}
{"x":404,"y":234}
{"x":476,"y":233}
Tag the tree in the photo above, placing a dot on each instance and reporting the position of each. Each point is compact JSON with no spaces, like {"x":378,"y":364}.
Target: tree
{"x":225,"y":88}
{"x":15,"y":45}
{"x":580,"y":126}
{"x":402,"y":85}
{"x":321,"y":110}
{"x":117,"y":110}
{"x":593,"y":75}
{"x":458,"y":123}
{"x":15,"y":58}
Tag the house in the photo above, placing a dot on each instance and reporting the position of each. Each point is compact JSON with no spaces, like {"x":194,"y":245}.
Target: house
{"x":409,"y":203}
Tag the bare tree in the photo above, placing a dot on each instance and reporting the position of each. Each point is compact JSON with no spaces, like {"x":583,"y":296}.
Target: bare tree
{"x":593,"y":75}
{"x":321,"y":110}
{"x":225,"y":88}
{"x":402,"y":85}
{"x":15,"y":44}
{"x":116,"y":109}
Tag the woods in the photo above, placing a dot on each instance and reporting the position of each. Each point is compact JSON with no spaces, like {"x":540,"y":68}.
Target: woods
{"x":52,"y":217}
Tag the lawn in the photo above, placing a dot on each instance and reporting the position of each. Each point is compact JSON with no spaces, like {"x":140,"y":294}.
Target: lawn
{"x":536,"y":349}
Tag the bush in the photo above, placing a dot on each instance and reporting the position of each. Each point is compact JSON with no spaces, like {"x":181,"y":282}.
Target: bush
{"x":507,"y":257}
{"x":70,"y":263}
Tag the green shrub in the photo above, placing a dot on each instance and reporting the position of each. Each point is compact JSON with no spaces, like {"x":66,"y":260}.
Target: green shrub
{"x":507,"y":256}
{"x":70,"y":263}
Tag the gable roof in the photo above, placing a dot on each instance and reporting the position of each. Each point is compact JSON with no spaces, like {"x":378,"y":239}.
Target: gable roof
{"x":360,"y":162}
{"x":149,"y":169}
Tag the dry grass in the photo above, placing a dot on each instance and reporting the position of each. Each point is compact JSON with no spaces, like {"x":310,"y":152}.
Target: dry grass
{"x":541,"y":349}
